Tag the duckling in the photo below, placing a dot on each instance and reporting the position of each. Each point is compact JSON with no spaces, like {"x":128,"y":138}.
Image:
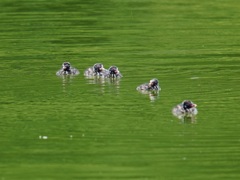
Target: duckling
{"x":186,"y":108}
{"x":152,"y":85}
{"x":96,"y":70}
{"x":67,"y":69}
{"x":113,"y":72}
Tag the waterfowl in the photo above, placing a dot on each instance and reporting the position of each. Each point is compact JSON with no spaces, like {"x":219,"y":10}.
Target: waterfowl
{"x":96,"y":70}
{"x":113,"y":72}
{"x":67,"y":69}
{"x":152,"y":85}
{"x":186,"y":108}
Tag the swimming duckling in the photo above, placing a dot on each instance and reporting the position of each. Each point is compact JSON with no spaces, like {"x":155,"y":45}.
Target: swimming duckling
{"x":67,"y":69}
{"x":152,"y":85}
{"x":96,"y":70}
{"x":113,"y":72}
{"x":186,"y":108}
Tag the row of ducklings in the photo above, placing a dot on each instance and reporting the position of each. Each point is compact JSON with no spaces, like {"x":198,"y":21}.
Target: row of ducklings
{"x":186,"y":108}
{"x":96,"y":70}
{"x":99,"y":70}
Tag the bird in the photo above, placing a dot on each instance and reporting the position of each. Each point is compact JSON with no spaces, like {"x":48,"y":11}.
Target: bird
{"x":186,"y":108}
{"x":96,"y":70}
{"x":113,"y":72}
{"x":152,"y":85}
{"x":67,"y":69}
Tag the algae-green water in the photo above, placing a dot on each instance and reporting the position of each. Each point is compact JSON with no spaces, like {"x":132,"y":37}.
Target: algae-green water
{"x":78,"y":128}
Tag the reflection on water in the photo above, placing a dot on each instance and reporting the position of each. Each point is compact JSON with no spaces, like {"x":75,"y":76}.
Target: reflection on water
{"x":95,"y":80}
{"x":186,"y":118}
{"x":153,"y":95}
{"x":114,"y":81}
{"x":111,"y":83}
{"x":66,"y":80}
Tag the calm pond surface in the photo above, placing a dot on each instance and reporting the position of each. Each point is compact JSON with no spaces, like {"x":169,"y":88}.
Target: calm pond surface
{"x":78,"y":128}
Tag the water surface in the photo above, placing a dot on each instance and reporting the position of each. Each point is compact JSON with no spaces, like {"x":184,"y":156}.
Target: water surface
{"x":79,"y":128}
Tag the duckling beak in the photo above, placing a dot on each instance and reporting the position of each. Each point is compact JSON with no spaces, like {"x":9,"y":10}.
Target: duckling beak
{"x":194,"y":105}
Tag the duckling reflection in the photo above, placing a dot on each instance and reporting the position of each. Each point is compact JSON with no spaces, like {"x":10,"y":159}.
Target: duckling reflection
{"x":153,"y":95}
{"x":96,"y":70}
{"x":105,"y":84}
{"x":113,"y":81}
{"x":185,"y":111}
{"x":113,"y":84}
{"x":96,"y":80}
{"x":66,"y":81}
{"x":67,"y":69}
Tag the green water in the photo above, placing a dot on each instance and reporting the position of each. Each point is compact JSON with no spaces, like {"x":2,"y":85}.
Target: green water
{"x":78,"y":128}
